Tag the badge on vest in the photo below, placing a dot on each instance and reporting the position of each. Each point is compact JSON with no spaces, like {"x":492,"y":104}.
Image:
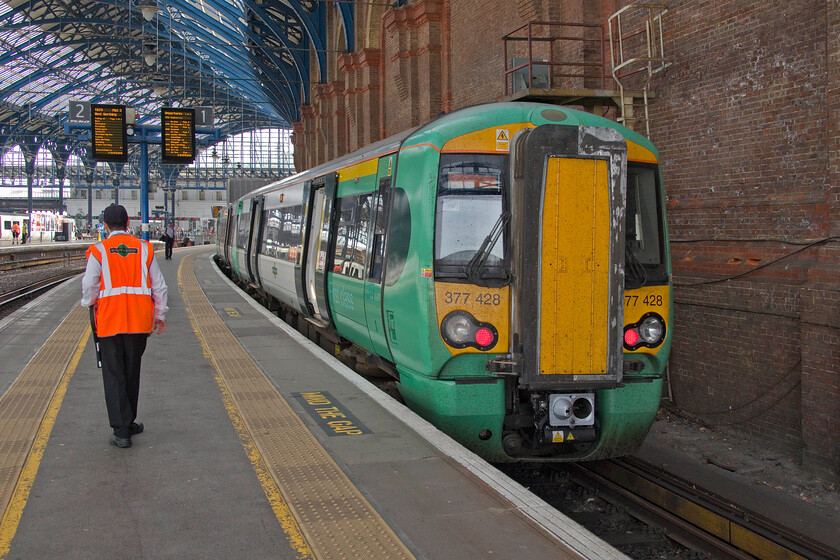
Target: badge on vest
{"x":123,"y":250}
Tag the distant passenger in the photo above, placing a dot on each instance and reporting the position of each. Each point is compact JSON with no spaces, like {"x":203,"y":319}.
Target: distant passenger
{"x":124,"y":285}
{"x":169,"y":235}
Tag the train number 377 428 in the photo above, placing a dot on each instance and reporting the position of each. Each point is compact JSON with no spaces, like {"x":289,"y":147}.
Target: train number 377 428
{"x":465,"y":298}
{"x":652,"y":300}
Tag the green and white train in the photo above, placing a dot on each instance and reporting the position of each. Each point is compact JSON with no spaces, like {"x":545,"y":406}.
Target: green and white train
{"x":507,"y":264}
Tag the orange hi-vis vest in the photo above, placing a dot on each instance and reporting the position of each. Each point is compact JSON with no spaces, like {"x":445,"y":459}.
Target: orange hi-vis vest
{"x":125,"y":302}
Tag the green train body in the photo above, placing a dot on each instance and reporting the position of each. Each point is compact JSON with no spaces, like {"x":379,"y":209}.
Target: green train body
{"x":507,"y":263}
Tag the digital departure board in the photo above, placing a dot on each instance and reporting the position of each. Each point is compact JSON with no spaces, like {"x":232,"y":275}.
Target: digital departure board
{"x":177,"y":135}
{"x":107,"y":126}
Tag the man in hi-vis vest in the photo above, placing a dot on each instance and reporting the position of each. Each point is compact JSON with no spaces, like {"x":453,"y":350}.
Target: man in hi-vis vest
{"x":124,"y":285}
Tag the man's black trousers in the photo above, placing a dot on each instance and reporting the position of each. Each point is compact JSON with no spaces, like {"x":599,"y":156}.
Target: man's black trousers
{"x":121,"y":355}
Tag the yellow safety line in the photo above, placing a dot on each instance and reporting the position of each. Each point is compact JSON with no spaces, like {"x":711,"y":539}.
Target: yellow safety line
{"x":288,"y":523}
{"x":14,"y":510}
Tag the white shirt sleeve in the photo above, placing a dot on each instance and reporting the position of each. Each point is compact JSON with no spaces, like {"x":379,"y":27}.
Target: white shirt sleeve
{"x":158,"y":285}
{"x":90,"y":282}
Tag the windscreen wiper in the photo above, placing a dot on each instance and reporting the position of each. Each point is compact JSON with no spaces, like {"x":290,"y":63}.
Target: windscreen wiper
{"x":478,"y":261}
{"x":634,"y":271}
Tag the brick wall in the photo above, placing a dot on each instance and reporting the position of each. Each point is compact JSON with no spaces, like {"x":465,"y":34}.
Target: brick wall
{"x":744,"y":126}
{"x":477,"y":51}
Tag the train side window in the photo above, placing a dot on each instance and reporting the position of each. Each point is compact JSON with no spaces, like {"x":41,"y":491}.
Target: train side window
{"x":399,"y":236}
{"x":351,"y":242}
{"x":270,"y":246}
{"x":281,"y":238}
{"x":291,"y":234}
{"x":242,"y":230}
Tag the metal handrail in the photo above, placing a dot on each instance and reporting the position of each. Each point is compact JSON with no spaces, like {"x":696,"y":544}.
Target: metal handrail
{"x":532,"y":36}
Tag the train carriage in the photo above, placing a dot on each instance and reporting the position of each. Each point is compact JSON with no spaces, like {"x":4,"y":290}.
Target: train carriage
{"x":507,"y":263}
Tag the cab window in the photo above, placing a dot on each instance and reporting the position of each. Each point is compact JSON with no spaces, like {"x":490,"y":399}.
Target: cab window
{"x":644,"y":236}
{"x":470,"y":218}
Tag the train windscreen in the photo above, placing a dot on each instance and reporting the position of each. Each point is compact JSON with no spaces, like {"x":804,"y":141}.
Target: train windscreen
{"x":470,"y":219}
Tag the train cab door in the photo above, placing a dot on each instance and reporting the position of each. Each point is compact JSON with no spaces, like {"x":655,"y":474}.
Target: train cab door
{"x":254,"y":239}
{"x":319,"y":245}
{"x":375,"y":275}
{"x":237,"y":229}
{"x":224,"y":235}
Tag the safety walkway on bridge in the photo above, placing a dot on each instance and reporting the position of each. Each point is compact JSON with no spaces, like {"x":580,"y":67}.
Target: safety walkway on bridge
{"x":257,"y":444}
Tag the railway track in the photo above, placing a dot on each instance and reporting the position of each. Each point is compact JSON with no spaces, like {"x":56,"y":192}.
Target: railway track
{"x":648,"y":513}
{"x":15,"y":298}
{"x":708,"y":521}
{"x":22,"y":257}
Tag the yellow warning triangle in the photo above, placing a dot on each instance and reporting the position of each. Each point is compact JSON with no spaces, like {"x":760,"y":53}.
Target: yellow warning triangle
{"x":502,"y":135}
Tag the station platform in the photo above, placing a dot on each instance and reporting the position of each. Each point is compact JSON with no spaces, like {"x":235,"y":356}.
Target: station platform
{"x":257,"y":444}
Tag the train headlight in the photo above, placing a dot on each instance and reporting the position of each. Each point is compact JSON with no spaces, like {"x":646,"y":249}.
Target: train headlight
{"x":460,"y":330}
{"x":649,"y":331}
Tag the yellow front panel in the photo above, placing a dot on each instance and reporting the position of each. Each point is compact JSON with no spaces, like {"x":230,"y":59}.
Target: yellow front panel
{"x":574,"y":299}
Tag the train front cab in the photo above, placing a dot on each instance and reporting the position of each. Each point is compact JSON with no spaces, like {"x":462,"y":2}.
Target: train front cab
{"x":554,"y":352}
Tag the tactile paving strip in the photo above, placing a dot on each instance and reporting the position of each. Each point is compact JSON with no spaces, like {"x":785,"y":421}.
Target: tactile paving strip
{"x":335,"y":518}
{"x":24,"y":404}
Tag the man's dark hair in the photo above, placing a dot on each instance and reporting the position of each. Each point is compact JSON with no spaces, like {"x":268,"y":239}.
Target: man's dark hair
{"x":115,"y":216}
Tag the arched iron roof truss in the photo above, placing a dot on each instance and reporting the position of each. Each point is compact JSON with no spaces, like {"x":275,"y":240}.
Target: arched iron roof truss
{"x":248,"y":59}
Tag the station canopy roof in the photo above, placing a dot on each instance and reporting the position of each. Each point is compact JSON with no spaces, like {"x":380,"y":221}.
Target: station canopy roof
{"x":247,"y":59}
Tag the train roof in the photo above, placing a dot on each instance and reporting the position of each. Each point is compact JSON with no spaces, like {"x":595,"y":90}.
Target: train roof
{"x":479,"y":116}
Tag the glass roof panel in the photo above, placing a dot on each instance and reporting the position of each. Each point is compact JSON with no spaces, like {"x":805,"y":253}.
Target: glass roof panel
{"x":203,"y":55}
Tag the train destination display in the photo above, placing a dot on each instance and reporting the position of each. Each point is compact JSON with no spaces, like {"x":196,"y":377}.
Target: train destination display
{"x":177,"y":134}
{"x":107,"y":125}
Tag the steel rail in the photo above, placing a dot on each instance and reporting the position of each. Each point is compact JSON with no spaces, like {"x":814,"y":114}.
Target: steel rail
{"x":15,"y":265}
{"x":707,"y":519}
{"x":27,"y":291}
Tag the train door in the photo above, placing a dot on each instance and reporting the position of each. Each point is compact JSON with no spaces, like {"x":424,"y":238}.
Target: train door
{"x":569,"y":183}
{"x":318,"y":247}
{"x":238,"y":236}
{"x":228,"y":237}
{"x":373,"y":282}
{"x":255,"y":239}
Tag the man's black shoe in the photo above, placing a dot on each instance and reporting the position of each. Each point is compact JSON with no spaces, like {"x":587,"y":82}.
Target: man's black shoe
{"x":136,"y":428}
{"x":120,"y":441}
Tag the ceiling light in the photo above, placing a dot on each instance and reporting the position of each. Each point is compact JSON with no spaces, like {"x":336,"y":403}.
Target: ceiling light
{"x":148,"y":7}
{"x":149,"y":52}
{"x":160,"y":88}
